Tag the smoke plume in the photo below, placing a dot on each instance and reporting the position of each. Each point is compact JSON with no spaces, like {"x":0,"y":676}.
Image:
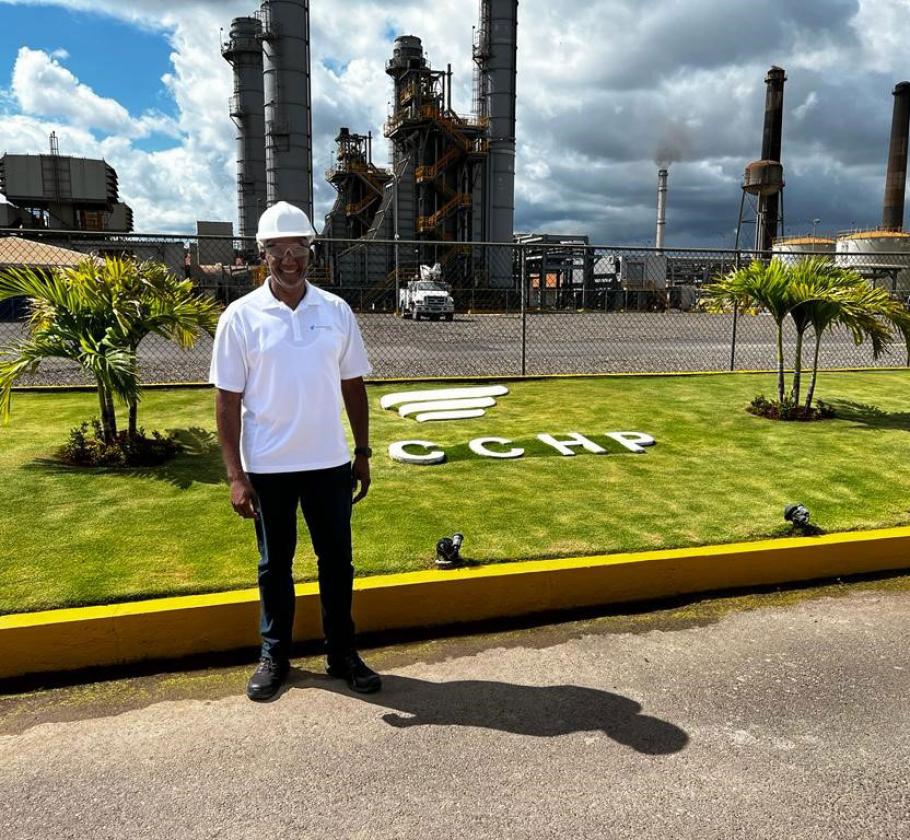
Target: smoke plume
{"x":674,"y":143}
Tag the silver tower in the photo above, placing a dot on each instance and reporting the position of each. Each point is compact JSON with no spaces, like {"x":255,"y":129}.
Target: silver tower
{"x":243,"y":50}
{"x":496,"y":57}
{"x":661,"y":207}
{"x":288,"y":117}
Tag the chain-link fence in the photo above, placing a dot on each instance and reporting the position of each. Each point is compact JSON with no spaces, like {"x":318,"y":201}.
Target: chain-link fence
{"x":484,"y":309}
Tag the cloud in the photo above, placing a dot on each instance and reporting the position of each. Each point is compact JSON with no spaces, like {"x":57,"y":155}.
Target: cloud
{"x":43,"y":87}
{"x":808,"y":104}
{"x":604,"y":88}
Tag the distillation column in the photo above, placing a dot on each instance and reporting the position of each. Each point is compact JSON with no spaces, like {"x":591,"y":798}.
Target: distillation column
{"x":288,"y":113}
{"x":405,"y":67}
{"x":243,"y":51}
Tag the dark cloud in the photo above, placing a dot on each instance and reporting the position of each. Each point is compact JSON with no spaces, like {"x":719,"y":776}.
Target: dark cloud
{"x":684,"y":83}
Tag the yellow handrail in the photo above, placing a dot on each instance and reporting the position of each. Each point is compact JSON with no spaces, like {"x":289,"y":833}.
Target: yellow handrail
{"x":425,"y":223}
{"x":425,"y":173}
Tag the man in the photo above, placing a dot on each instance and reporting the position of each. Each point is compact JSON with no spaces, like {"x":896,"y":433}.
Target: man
{"x":285,"y":358}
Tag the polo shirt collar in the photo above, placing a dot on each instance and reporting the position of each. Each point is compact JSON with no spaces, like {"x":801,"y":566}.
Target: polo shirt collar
{"x":267,"y":300}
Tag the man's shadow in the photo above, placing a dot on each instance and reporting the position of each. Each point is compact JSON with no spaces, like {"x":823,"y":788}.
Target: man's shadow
{"x":542,"y":711}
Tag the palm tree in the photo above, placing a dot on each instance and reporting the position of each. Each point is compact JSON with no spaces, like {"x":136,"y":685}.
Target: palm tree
{"x":757,"y":286}
{"x":67,"y":321}
{"x":865,"y":311}
{"x":96,"y":313}
{"x":146,"y":298}
{"x":814,"y":293}
{"x":822,"y":288}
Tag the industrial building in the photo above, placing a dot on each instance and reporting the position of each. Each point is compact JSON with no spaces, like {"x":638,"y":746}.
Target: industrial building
{"x":57,"y":192}
{"x":882,"y":254}
{"x":451,"y":180}
{"x":452,"y":177}
{"x":360,"y":185}
{"x":272,"y":108}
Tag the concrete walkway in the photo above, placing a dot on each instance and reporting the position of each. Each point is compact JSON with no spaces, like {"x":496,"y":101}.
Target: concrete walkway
{"x":780,"y":716}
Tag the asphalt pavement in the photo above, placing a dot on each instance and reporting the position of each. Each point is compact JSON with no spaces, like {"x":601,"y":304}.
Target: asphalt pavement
{"x":774,"y":716}
{"x":494,"y":345}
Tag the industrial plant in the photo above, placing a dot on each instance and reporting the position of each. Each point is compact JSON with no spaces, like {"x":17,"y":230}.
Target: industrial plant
{"x":57,"y":192}
{"x":449,"y":187}
{"x":880,"y":254}
{"x":452,"y":178}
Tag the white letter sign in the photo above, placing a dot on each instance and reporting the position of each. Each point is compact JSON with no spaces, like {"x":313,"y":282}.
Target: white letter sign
{"x":633,"y":441}
{"x":397,"y":452}
{"x":478,"y":447}
{"x":564,"y":446}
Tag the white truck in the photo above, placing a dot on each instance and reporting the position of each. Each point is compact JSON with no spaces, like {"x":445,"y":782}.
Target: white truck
{"x":427,"y":297}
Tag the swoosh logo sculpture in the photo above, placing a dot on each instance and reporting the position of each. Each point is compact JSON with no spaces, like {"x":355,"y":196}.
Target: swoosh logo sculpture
{"x":444,"y":403}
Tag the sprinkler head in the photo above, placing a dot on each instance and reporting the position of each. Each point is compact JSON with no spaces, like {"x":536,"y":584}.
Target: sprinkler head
{"x":797,"y":514}
{"x":447,"y":551}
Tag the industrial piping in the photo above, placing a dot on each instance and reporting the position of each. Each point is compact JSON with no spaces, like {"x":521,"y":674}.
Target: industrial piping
{"x":288,"y":113}
{"x":896,"y":176}
{"x":661,"y":208}
{"x":243,"y":51}
{"x":771,"y":148}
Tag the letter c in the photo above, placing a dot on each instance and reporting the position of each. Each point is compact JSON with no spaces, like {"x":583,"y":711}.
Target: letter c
{"x":478,"y":447}
{"x":398,"y":452}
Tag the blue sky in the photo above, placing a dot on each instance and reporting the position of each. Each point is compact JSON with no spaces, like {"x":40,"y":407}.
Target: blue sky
{"x":116,"y":59}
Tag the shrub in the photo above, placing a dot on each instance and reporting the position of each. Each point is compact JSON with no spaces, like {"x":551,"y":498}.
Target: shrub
{"x":87,"y":447}
{"x":789,"y":409}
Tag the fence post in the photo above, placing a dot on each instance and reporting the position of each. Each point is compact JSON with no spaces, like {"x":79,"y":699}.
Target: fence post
{"x":524,"y":312}
{"x":735,"y":320}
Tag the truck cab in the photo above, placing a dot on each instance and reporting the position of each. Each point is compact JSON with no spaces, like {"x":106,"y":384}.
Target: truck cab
{"x":428,"y":297}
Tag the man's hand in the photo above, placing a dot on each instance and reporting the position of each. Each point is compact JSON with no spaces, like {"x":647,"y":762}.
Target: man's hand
{"x":360,"y":471}
{"x":243,"y":498}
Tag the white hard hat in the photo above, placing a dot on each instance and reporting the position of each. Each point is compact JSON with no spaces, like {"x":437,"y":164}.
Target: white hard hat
{"x":283,"y":220}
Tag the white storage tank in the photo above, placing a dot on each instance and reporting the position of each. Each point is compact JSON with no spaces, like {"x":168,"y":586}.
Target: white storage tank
{"x":791,"y":249}
{"x":881,"y":256}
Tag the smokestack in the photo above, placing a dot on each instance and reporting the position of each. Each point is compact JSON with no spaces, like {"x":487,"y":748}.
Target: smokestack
{"x":896,"y":176}
{"x":498,"y":50}
{"x":288,"y":117}
{"x":771,"y":147}
{"x":243,"y":51}
{"x":661,"y":208}
{"x":774,"y":114}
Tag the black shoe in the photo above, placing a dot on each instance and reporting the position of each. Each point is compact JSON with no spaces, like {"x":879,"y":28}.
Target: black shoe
{"x":267,"y":679}
{"x":351,"y":667}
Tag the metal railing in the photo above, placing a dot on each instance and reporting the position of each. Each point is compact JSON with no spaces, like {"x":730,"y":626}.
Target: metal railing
{"x":524,"y":309}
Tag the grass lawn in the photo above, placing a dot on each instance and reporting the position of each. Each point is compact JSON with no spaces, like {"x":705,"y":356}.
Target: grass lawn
{"x":71,"y":537}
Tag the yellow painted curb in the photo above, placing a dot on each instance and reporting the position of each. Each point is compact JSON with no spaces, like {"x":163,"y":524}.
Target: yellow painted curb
{"x":166,"y":628}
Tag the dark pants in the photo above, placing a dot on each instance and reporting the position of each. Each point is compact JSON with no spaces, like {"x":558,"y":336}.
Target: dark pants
{"x":324,"y":497}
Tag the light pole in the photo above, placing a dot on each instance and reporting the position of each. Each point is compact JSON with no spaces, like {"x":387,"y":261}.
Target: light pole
{"x":815,"y":226}
{"x":395,"y":232}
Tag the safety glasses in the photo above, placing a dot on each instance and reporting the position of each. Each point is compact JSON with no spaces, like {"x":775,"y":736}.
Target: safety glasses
{"x":278,"y":251}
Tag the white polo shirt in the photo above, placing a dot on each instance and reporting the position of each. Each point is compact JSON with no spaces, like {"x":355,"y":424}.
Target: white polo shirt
{"x":288,"y":364}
